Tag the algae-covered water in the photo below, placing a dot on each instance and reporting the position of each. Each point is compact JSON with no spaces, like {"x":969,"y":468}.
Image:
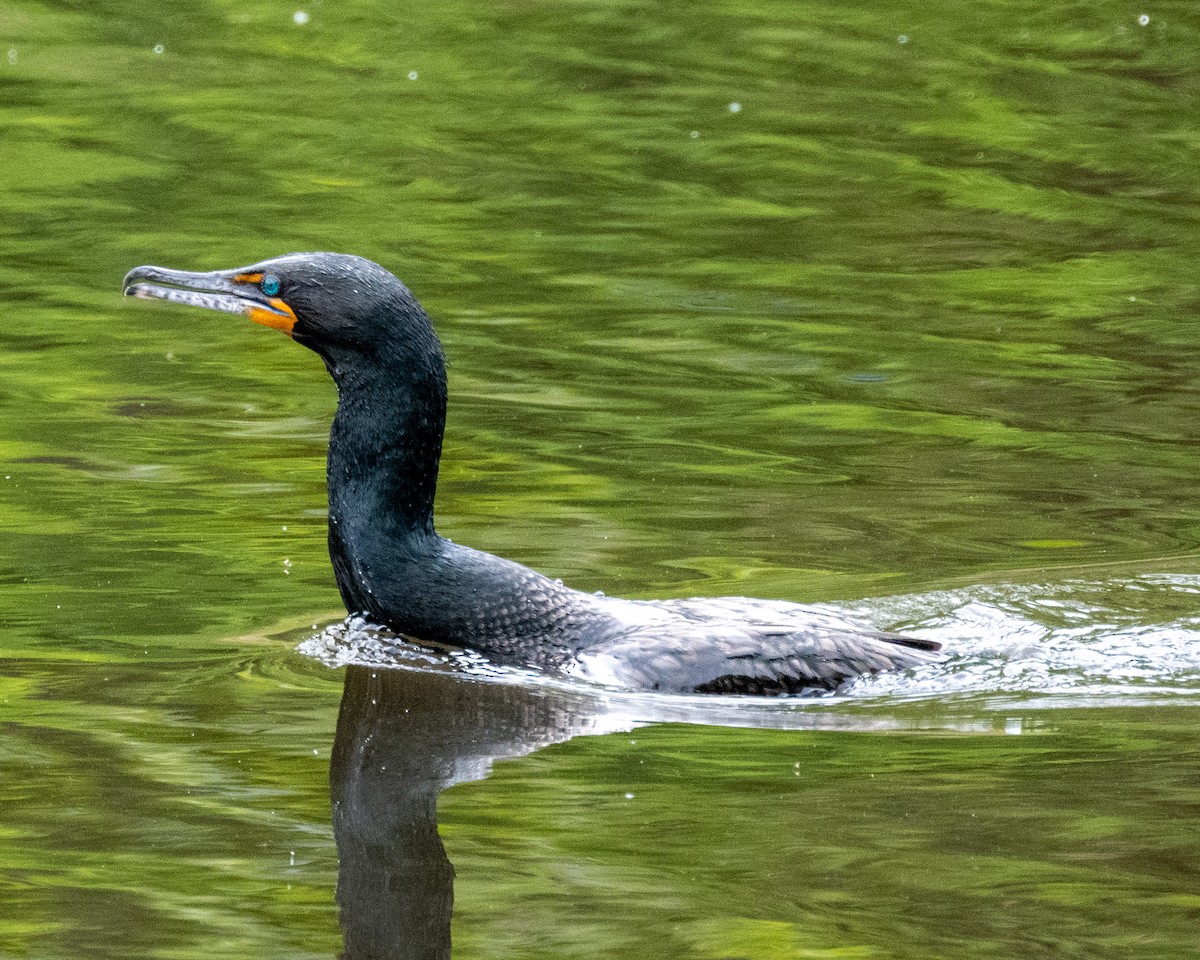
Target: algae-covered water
{"x":888,"y":306}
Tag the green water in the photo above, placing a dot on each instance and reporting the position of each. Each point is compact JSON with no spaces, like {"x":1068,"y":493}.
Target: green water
{"x":886,"y":305}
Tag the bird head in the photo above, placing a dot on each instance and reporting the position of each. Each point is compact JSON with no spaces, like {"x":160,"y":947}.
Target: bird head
{"x":343,"y":307}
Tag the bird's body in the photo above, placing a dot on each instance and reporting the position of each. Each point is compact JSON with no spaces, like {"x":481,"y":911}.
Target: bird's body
{"x":393,"y":568}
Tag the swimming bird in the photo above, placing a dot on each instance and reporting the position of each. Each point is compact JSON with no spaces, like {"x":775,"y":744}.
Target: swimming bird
{"x":392,"y":567}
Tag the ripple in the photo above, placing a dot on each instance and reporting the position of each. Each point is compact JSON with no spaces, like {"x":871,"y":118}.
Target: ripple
{"x":358,"y":642}
{"x":1103,"y":640}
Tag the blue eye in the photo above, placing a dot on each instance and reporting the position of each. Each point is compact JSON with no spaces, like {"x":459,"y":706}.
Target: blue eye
{"x":270,"y":284}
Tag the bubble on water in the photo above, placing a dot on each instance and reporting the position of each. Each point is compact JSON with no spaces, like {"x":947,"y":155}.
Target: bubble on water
{"x":1144,"y":20}
{"x":629,"y":796}
{"x":903,"y":38}
{"x":300,"y":17}
{"x":159,"y":48}
{"x":12,"y":56}
{"x":412,"y":74}
{"x":735,"y":107}
{"x":695,"y":134}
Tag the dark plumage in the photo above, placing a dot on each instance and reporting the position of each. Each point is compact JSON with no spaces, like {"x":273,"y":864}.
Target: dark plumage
{"x":393,"y":568}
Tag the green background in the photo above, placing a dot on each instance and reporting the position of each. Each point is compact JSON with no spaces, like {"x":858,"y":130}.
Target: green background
{"x":888,"y":305}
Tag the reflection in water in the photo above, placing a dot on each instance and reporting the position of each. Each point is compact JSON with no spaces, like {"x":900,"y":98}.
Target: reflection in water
{"x":402,"y":737}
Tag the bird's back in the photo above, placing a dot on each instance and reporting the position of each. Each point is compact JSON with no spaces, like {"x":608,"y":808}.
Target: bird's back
{"x":741,"y":645}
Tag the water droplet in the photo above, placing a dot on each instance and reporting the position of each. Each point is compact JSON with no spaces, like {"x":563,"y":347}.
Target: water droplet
{"x":903,"y":38}
{"x":316,"y":753}
{"x":735,"y":107}
{"x":1144,"y":20}
{"x":12,"y":56}
{"x":159,"y":48}
{"x":291,"y":858}
{"x":629,"y":796}
{"x":695,"y":134}
{"x":412,"y":74}
{"x":300,"y":18}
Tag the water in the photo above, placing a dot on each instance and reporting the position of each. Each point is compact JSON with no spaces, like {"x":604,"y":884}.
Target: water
{"x":910,"y":333}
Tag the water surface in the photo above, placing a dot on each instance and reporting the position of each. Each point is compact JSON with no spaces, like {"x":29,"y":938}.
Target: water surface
{"x":888,"y":306}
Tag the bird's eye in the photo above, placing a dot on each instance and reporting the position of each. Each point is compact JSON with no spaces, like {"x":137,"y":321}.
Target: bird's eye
{"x":270,"y":284}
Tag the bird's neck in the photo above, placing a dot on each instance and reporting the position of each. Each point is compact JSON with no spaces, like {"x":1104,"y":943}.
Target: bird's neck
{"x":384,"y":448}
{"x":390,"y":563}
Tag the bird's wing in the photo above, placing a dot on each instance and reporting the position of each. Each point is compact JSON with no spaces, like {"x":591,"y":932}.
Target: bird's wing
{"x":725,"y":646}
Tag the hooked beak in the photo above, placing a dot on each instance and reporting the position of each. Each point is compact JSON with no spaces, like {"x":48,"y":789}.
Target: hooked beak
{"x":234,"y":291}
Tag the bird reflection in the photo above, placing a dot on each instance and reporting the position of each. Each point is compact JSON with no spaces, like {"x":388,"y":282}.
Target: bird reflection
{"x":402,"y":737}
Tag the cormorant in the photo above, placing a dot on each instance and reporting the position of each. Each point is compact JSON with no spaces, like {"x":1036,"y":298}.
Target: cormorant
{"x":393,"y":568}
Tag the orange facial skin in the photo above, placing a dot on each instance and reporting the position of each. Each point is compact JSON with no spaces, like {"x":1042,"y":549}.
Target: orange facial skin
{"x":285,"y":320}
